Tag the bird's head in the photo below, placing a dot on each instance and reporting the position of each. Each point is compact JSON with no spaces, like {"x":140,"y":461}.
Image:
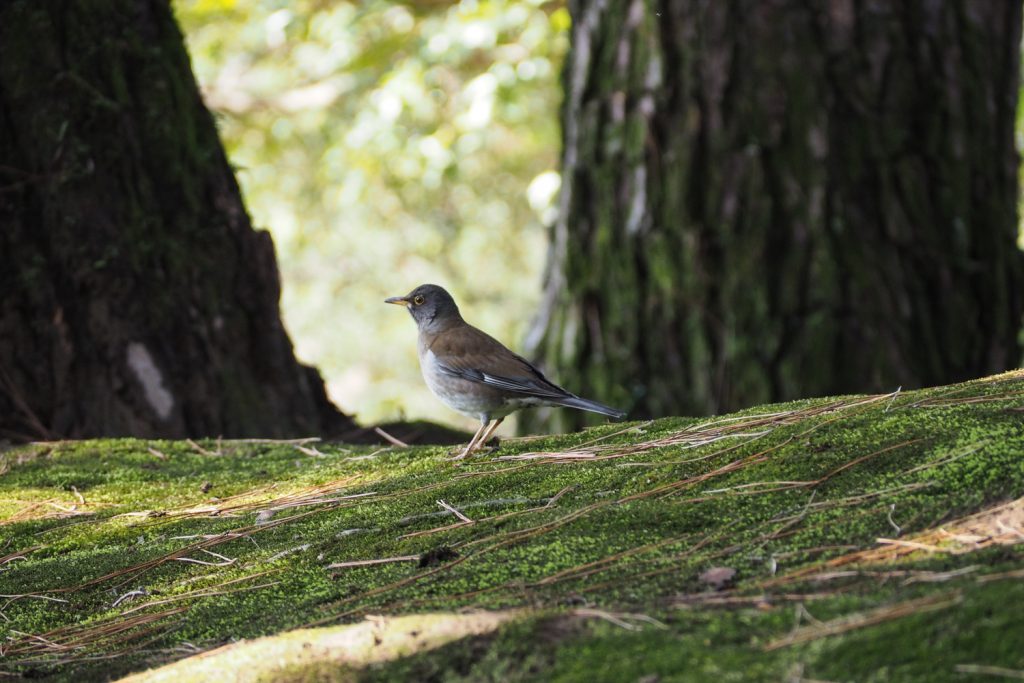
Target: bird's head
{"x":430,"y":306}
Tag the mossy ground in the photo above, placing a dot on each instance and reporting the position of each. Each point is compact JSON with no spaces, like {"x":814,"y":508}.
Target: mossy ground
{"x":597,"y":539}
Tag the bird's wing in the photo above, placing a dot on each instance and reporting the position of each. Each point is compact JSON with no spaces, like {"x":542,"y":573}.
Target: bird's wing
{"x":471,"y":354}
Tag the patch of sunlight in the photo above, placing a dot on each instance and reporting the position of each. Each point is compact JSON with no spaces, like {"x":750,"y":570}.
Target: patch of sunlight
{"x":298,"y":655}
{"x":385,"y":146}
{"x":998,"y":525}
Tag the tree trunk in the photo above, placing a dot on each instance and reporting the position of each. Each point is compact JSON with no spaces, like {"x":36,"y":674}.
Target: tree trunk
{"x":770,"y":199}
{"x":137,"y":298}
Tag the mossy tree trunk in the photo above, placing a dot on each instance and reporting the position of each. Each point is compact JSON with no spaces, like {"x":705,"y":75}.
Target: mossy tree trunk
{"x":769,"y":199}
{"x":137,"y":298}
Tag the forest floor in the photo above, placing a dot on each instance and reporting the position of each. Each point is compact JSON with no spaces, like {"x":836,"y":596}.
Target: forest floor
{"x":859,"y":538}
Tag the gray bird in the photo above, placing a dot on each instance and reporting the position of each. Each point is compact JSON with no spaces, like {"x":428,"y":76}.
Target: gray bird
{"x":473,"y":373}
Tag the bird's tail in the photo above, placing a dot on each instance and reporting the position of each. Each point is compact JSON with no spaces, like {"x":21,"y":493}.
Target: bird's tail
{"x":592,"y":406}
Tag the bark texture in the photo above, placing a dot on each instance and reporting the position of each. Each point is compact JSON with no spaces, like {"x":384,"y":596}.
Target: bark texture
{"x":137,"y":298}
{"x":768,"y":199}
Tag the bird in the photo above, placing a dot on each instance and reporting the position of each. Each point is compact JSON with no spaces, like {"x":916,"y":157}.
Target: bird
{"x":475,"y":374}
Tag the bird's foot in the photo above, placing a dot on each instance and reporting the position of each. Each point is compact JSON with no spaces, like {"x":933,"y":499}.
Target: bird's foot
{"x":464,"y":451}
{"x":460,"y":453}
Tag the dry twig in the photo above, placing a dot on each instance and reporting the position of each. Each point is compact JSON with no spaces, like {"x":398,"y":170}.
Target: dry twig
{"x":851,"y":622}
{"x":390,"y":439}
{"x":455,"y":512}
{"x":367,"y":563}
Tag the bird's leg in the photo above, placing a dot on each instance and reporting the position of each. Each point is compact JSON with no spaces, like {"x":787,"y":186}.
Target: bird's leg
{"x":472,"y":442}
{"x":490,"y":430}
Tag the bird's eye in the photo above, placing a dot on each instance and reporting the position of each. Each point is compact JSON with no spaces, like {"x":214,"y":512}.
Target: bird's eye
{"x":418,"y":299}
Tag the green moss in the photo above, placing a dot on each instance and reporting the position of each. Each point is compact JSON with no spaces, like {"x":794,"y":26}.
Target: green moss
{"x":769,"y":492}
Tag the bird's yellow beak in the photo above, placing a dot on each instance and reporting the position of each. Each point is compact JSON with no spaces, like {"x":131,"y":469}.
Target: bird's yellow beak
{"x":398,"y":300}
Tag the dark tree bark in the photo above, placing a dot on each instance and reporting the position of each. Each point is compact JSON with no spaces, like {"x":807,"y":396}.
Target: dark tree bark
{"x":769,"y":199}
{"x":137,"y":298}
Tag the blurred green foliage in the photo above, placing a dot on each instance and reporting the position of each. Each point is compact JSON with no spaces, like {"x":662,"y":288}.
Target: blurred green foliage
{"x":1019,"y":142}
{"x":386,"y":145}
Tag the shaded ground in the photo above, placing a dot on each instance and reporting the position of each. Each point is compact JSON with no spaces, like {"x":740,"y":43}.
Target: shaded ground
{"x":858,"y":538}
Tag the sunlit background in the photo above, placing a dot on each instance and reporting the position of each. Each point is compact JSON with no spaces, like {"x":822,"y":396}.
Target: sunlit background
{"x":386,"y":145}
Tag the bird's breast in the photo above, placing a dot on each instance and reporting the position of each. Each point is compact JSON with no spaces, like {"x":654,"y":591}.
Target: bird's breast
{"x":463,"y":395}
